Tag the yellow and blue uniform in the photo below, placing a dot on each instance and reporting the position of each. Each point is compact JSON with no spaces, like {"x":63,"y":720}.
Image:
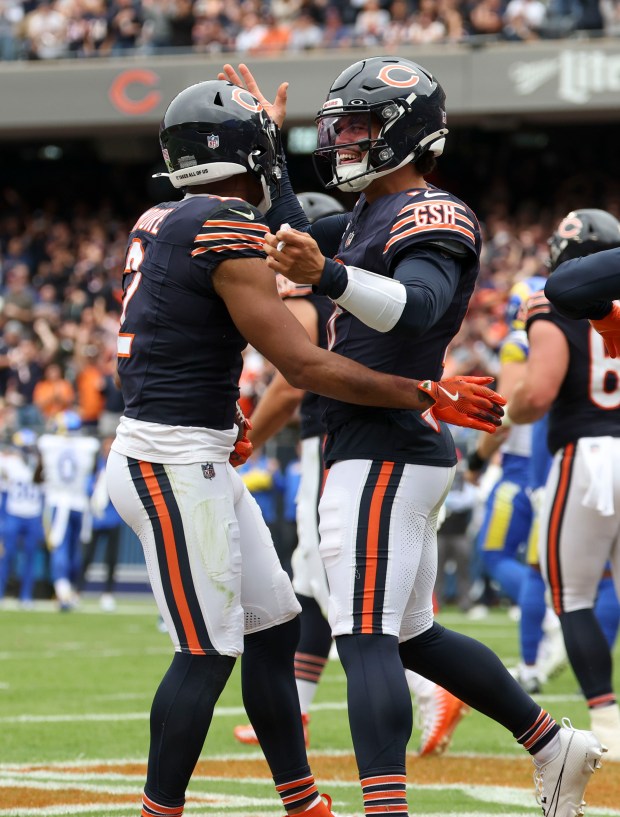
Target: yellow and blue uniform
{"x":508,"y":514}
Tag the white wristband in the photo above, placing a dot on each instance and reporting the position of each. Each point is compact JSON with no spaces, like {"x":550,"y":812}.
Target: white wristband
{"x":376,"y":300}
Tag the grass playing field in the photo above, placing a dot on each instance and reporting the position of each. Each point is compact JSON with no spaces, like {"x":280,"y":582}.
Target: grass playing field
{"x":75,"y":693}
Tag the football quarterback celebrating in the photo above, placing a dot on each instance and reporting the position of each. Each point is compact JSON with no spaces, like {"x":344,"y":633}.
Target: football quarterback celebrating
{"x":400,"y":269}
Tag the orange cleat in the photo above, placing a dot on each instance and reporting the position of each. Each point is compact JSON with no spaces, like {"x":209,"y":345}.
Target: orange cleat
{"x":246,"y":733}
{"x":439,"y":715}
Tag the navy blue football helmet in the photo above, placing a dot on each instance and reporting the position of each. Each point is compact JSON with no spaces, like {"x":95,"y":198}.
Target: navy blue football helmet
{"x":214,"y":130}
{"x":583,"y":232}
{"x":401,"y":107}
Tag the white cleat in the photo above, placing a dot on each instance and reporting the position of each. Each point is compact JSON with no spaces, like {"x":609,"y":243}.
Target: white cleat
{"x":561,"y":782}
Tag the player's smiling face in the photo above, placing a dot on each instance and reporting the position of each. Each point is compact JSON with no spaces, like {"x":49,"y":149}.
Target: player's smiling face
{"x":354,"y":132}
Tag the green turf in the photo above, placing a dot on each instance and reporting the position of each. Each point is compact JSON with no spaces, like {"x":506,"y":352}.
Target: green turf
{"x":77,"y":688}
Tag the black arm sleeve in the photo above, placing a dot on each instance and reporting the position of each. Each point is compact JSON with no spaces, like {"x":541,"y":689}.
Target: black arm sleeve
{"x":585,"y":287}
{"x":286,"y":209}
{"x":430,"y":278}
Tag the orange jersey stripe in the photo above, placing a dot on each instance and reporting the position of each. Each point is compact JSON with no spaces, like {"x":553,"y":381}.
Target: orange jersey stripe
{"x":247,"y":245}
{"x":553,"y":535}
{"x":426,"y":228}
{"x":230,"y":234}
{"x":372,"y":545}
{"x":171,"y":557}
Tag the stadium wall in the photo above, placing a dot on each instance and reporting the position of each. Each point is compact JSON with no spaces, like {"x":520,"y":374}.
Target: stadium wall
{"x":546,"y":82}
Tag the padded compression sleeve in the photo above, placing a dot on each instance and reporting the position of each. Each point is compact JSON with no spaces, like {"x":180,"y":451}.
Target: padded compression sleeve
{"x":420,"y":292}
{"x":584,"y":287}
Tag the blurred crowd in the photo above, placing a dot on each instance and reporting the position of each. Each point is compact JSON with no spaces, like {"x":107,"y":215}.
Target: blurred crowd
{"x":60,"y":304}
{"x":51,"y":29}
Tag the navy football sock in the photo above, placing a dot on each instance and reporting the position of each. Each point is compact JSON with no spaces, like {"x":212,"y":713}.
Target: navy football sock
{"x":270,"y":696}
{"x":472,"y":672}
{"x":379,"y":702}
{"x":180,"y":718}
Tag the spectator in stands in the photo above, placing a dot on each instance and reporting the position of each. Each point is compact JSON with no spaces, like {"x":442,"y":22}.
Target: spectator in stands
{"x":336,"y":33}
{"x":450,"y":14}
{"x":25,"y":372}
{"x":44,"y":31}
{"x":485,"y":18}
{"x":251,"y":33}
{"x":125,"y":21}
{"x":53,"y":393}
{"x":396,"y":31}
{"x":182,"y":21}
{"x":18,"y":295}
{"x":274,"y":39}
{"x":11,"y":15}
{"x":426,"y":27}
{"x":523,"y":19}
{"x":305,"y":33}
{"x":371,"y":23}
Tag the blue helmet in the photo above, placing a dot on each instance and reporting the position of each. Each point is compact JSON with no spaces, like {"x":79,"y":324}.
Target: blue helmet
{"x":519,"y":296}
{"x":24,"y":438}
{"x":66,"y":421}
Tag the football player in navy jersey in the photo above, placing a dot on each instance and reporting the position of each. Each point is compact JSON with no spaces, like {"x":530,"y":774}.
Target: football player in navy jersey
{"x":196,"y":291}
{"x":439,"y":711}
{"x":400,"y":269}
{"x":587,"y":287}
{"x":570,"y":375}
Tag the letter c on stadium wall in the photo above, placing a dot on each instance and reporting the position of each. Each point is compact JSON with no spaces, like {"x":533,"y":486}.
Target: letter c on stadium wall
{"x":134,"y":107}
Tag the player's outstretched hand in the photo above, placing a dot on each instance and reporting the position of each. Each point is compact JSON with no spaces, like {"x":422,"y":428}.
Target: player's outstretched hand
{"x":609,"y":329}
{"x":243,"y":447}
{"x":294,"y":254}
{"x":244,"y":78}
{"x":464,"y":401}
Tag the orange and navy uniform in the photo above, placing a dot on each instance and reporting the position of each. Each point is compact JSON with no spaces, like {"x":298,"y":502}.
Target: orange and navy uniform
{"x":423,"y":228}
{"x":588,"y":403}
{"x":179,"y":352}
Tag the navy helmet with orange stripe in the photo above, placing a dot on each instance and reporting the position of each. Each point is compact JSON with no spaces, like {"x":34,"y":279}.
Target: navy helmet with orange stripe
{"x":583,"y":232}
{"x":214,"y":130}
{"x":398,"y":110}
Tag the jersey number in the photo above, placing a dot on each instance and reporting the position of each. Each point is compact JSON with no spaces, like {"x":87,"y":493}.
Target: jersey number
{"x":133,"y":261}
{"x":604,"y":385}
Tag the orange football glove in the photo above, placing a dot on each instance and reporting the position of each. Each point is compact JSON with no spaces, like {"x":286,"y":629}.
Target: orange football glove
{"x":609,"y":329}
{"x":243,"y":447}
{"x":463,"y":401}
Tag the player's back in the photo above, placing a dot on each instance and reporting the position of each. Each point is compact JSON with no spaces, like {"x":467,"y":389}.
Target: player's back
{"x":24,"y":497}
{"x":68,"y":463}
{"x":179,"y":351}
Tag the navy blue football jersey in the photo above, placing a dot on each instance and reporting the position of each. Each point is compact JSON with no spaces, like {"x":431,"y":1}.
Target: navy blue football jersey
{"x":376,"y":236}
{"x":311,"y":408}
{"x":179,"y":352}
{"x":588,"y":403}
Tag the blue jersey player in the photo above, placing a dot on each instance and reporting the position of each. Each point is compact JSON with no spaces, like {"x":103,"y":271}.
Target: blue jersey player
{"x":400,"y":270}
{"x":196,"y":290}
